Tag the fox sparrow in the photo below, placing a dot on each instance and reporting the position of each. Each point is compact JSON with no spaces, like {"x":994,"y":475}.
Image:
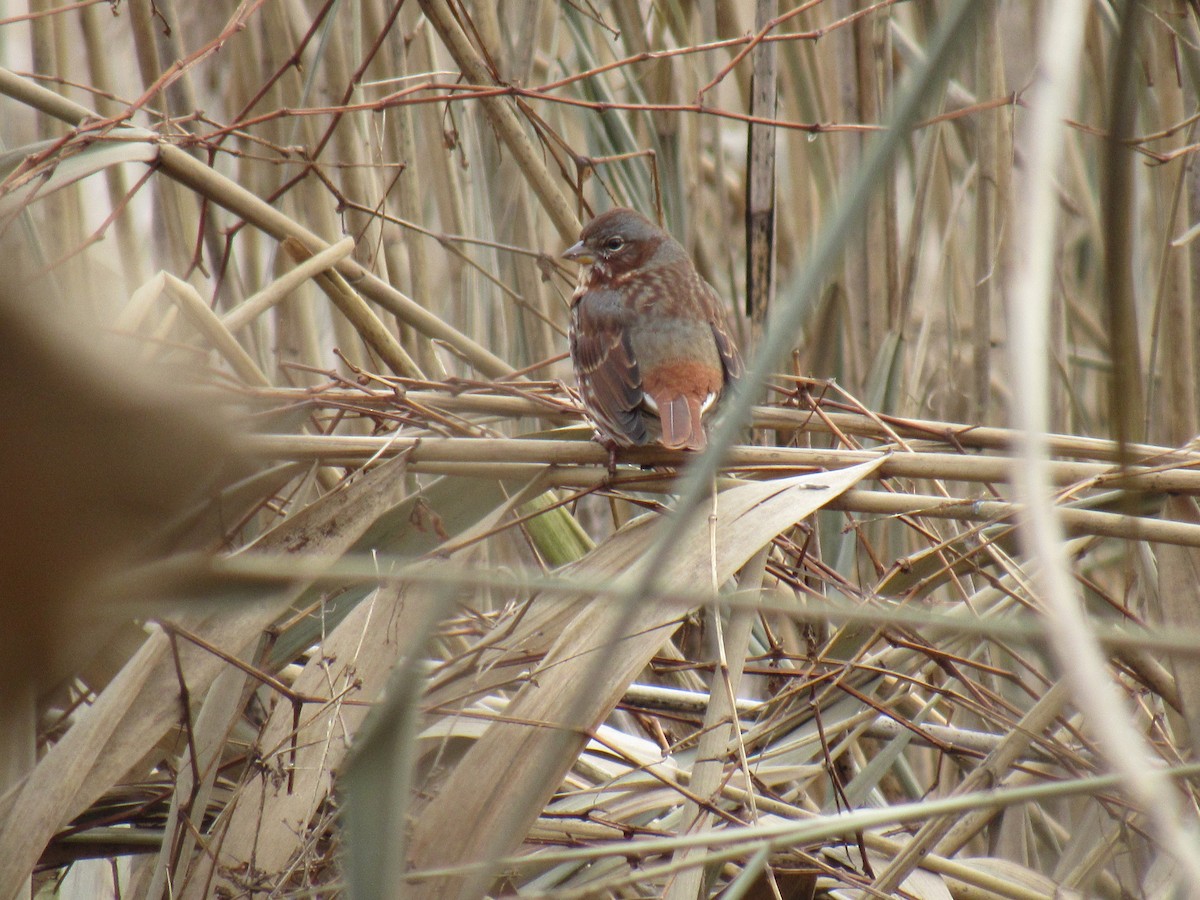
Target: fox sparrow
{"x":649,"y":341}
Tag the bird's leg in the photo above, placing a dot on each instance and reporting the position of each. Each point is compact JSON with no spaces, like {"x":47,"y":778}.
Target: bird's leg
{"x":611,"y":446}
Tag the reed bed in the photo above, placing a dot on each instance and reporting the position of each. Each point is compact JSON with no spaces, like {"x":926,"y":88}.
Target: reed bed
{"x":314,"y":583}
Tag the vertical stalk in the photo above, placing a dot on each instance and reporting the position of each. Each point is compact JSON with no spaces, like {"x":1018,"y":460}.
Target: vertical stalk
{"x":992,"y":153}
{"x":760,"y":181}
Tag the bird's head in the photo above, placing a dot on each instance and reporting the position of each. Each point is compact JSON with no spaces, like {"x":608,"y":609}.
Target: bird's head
{"x":618,"y":241}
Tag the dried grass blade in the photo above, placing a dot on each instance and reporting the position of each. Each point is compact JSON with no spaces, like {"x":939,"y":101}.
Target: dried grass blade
{"x":503,"y":782}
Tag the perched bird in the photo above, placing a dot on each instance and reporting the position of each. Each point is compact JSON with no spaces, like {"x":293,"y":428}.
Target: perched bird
{"x":649,"y":340}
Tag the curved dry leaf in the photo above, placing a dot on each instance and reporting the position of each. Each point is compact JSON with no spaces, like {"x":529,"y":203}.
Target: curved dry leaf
{"x":505,"y":779}
{"x":69,"y":169}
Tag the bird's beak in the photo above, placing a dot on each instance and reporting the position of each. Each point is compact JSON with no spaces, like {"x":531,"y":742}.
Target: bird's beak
{"x":579,"y":253}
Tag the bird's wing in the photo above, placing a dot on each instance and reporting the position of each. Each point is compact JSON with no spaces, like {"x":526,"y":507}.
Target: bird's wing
{"x":606,"y":368}
{"x":731,"y":360}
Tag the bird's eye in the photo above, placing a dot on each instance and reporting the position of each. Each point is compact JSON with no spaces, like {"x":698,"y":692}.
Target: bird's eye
{"x":613,"y":244}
